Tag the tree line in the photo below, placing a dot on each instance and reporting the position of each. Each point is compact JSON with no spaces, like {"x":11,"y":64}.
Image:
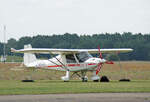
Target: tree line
{"x":139,"y":42}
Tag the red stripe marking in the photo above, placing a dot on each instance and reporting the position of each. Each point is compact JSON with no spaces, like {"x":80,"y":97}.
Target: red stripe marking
{"x":56,"y":66}
{"x":71,"y":65}
{"x":92,"y":64}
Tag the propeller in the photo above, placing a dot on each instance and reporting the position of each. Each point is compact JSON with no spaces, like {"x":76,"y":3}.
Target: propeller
{"x":100,"y":64}
{"x":99,"y":68}
{"x":100,"y":54}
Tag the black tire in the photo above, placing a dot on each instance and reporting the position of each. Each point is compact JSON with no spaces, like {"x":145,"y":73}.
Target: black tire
{"x":104,"y":79}
{"x":27,"y":80}
{"x":66,"y":81}
{"x":84,"y":80}
{"x":124,"y":80}
{"x":95,"y":80}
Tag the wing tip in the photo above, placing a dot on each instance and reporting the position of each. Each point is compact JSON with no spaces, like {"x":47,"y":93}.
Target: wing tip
{"x":13,"y":50}
{"x":131,"y":49}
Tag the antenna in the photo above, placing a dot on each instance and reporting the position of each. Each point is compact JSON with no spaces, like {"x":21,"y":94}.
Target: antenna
{"x":4,"y":50}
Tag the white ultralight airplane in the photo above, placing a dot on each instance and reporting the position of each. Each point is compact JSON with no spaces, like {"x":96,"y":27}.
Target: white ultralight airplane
{"x":75,"y":60}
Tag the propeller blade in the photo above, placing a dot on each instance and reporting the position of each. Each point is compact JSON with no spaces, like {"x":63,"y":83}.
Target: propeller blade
{"x":100,"y":54}
{"x":98,"y":68}
{"x":109,"y":62}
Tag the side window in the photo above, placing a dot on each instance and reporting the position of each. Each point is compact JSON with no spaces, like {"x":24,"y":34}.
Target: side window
{"x":70,"y":58}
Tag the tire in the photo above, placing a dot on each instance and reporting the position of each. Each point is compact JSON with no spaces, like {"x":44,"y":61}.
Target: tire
{"x":104,"y":79}
{"x":84,"y":79}
{"x":95,"y":80}
{"x":27,"y":80}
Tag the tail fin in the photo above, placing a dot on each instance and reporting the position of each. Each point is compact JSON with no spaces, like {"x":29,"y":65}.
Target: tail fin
{"x":28,"y":57}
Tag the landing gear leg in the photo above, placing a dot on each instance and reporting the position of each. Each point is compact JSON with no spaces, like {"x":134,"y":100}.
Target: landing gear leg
{"x":84,"y":78}
{"x":81,"y":75}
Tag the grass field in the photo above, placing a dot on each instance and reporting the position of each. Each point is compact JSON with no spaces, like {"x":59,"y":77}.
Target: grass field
{"x":134,"y":70}
{"x":48,"y":81}
{"x":57,"y":86}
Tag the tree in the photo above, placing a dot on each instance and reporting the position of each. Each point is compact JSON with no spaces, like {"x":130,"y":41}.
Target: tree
{"x":139,"y":42}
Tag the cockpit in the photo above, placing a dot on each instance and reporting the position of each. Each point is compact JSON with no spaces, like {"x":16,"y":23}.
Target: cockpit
{"x":81,"y":57}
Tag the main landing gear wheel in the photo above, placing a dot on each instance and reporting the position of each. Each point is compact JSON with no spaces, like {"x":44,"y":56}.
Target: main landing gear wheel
{"x":81,"y":76}
{"x":66,"y":81}
{"x":84,"y":79}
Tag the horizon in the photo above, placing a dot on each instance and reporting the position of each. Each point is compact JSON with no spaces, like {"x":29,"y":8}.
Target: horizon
{"x":76,"y":34}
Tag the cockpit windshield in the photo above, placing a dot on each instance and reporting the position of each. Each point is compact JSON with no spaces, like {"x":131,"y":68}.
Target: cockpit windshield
{"x":83,"y":56}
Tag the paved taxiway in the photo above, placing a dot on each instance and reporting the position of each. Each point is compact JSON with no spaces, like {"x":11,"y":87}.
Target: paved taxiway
{"x":89,"y":97}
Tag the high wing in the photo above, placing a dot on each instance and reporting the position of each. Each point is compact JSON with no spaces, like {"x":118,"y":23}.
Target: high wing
{"x":69,"y":51}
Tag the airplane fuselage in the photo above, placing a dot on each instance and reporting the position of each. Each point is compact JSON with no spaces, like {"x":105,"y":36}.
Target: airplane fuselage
{"x":47,"y":64}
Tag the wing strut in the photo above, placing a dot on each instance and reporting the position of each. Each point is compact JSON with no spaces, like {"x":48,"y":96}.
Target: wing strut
{"x":52,"y":62}
{"x":61,"y":63}
{"x":65,"y":67}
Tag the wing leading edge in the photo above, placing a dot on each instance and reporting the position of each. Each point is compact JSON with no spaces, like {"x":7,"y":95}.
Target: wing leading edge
{"x":67,"y":51}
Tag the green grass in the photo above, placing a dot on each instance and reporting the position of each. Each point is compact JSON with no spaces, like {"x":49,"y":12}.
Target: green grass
{"x":48,"y":81}
{"x":9,"y":87}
